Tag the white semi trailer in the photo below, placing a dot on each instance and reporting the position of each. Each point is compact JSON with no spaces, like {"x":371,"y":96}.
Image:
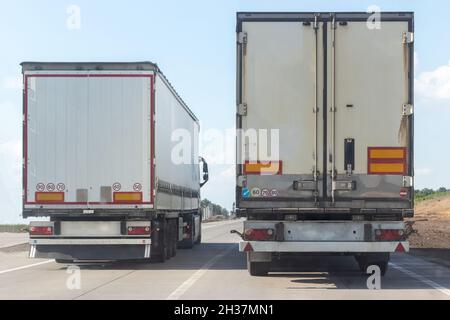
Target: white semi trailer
{"x":99,"y":162}
{"x":336,"y":92}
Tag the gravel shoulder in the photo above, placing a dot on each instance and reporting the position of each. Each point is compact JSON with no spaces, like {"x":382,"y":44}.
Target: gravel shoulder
{"x":432,"y":224}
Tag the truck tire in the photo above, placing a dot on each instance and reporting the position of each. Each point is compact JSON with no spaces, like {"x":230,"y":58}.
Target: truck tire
{"x":188,"y":243}
{"x":162,"y":256}
{"x":160,"y":252}
{"x":174,"y":249}
{"x":259,"y":269}
{"x":381,"y":260}
{"x":199,"y":239}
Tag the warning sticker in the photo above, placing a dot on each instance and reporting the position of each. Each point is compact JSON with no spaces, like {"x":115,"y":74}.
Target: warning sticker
{"x":245,"y":193}
{"x":256,"y":192}
{"x":117,"y":186}
{"x":274,"y":193}
{"x":265,"y":192}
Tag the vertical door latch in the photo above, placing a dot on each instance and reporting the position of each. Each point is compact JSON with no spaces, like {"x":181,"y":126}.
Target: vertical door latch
{"x":349,"y":155}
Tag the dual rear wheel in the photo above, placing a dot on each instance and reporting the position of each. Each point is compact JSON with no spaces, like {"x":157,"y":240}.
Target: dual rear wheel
{"x":364,"y":261}
{"x":165,"y":239}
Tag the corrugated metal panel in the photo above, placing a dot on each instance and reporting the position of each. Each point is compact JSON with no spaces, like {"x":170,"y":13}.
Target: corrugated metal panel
{"x":172,"y":120}
{"x":87,"y":131}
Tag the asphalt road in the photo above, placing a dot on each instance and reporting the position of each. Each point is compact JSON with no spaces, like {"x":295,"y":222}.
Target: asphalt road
{"x":216,"y":270}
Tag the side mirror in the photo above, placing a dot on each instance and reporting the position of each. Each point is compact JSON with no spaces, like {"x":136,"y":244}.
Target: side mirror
{"x":205,"y":172}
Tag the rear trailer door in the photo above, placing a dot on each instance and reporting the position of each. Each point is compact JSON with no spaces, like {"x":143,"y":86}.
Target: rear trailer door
{"x":87,"y":139}
{"x":370,"y":115}
{"x":281,"y":137}
{"x":338,"y":92}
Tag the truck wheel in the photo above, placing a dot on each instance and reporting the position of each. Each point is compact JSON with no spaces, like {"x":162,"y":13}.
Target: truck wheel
{"x":160,"y":251}
{"x":258,"y":269}
{"x":199,"y":239}
{"x":174,"y":249}
{"x":381,"y":261}
{"x":161,"y":257}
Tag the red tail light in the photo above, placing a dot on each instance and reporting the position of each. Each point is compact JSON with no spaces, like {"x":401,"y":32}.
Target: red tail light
{"x":259,"y":234}
{"x":389,"y":234}
{"x":41,"y":231}
{"x":134,"y":231}
{"x":187,"y":231}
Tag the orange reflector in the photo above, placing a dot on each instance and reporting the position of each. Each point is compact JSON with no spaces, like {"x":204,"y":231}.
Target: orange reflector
{"x":394,"y":153}
{"x":386,"y":160}
{"x":49,"y":197}
{"x":127,"y":197}
{"x":263,"y":167}
{"x":387,"y":168}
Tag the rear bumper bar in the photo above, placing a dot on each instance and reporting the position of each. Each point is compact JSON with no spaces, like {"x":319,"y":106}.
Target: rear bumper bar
{"x":317,"y":246}
{"x":90,"y":241}
{"x":90,"y":249}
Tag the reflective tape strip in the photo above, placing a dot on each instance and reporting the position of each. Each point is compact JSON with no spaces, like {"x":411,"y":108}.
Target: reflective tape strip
{"x":393,"y":168}
{"x":147,"y":251}
{"x":263,"y":167}
{"x":32,"y":251}
{"x":396,"y":153}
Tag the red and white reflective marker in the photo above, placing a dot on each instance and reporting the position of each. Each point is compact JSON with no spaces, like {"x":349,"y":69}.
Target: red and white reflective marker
{"x":248,"y":247}
{"x":400,"y":248}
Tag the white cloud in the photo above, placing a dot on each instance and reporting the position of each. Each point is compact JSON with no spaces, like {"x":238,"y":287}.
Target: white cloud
{"x":422,"y":171}
{"x":12,"y":82}
{"x":434,"y":84}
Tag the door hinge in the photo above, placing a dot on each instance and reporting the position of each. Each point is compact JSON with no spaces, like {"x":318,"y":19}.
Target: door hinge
{"x":408,"y":182}
{"x":407,"y":37}
{"x":242,"y":109}
{"x":242,"y":37}
{"x":408,"y":109}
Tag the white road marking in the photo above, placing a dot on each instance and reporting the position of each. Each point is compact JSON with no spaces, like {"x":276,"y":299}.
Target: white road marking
{"x":27,"y":266}
{"x":416,"y":276}
{"x":178,"y":292}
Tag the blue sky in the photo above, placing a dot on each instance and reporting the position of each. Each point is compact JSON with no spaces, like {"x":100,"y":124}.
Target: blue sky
{"x":194,"y":44}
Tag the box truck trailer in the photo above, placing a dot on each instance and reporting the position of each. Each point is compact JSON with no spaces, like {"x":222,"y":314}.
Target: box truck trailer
{"x":99,"y":163}
{"x":330,"y":98}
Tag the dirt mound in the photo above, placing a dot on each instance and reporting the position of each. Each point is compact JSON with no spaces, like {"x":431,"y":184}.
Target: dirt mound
{"x":432,"y":224}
